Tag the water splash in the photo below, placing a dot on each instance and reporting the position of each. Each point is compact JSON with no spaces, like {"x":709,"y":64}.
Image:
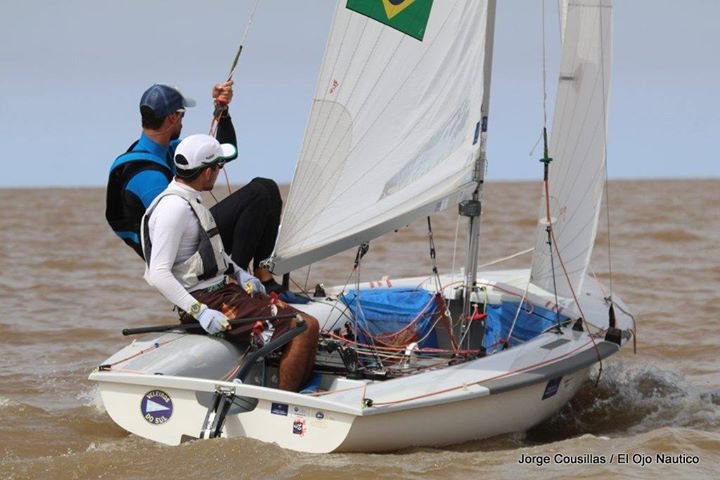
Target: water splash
{"x":631,"y":398}
{"x":92,"y":398}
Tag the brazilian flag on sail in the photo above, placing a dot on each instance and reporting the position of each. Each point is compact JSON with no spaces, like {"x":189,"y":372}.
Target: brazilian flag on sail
{"x":408,"y":16}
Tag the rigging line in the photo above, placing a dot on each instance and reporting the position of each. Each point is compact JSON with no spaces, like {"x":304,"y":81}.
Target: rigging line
{"x":221,"y":107}
{"x":242,"y":40}
{"x":303,"y":288}
{"x":455,"y":246}
{"x":544,"y":70}
{"x":550,"y":229}
{"x":572,"y":290}
{"x":509,"y":257}
{"x":443,"y":307}
{"x":433,"y":256}
{"x":356,"y":267}
{"x":344,"y":315}
{"x":579,"y":307}
{"x":480,"y":382}
{"x":307,"y":277}
{"x":567,"y":278}
{"x":546,"y":160}
{"x":466,"y":327}
{"x":517,"y":312}
{"x":551,"y":234}
{"x":356,"y":271}
{"x":605,"y":140}
{"x":227,"y":181}
{"x":619,"y":307}
{"x":537,"y":142}
{"x":365,"y":349}
{"x":154,"y":346}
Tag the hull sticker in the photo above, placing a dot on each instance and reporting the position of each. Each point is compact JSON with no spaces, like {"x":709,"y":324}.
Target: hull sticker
{"x":279,"y":409}
{"x":156,"y":407}
{"x":552,"y":388}
{"x":299,"y":427}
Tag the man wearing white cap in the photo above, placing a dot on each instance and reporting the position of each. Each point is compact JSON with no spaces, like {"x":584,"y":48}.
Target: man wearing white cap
{"x":186,"y":261}
{"x":248,"y":218}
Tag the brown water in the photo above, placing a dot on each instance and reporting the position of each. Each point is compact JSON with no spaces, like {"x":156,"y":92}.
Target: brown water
{"x":68,"y":286}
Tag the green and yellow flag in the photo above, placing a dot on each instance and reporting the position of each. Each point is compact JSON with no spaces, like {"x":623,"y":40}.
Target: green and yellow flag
{"x":408,"y":16}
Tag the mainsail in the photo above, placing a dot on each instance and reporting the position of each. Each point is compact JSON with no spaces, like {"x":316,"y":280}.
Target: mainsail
{"x":577,"y":149}
{"x":394,"y":129}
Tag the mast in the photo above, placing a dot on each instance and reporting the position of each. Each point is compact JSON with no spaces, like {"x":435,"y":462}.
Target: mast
{"x":472,"y":208}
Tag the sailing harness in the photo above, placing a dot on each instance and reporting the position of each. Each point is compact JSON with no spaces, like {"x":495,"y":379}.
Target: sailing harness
{"x":208,"y":260}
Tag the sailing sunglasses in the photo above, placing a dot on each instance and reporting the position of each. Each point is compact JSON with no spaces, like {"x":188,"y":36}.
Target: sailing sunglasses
{"x":181,"y":111}
{"x":219,"y":164}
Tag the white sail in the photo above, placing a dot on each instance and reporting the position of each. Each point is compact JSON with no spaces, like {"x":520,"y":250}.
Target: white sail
{"x":393,"y":133}
{"x":562,"y":14}
{"x":577,"y":147}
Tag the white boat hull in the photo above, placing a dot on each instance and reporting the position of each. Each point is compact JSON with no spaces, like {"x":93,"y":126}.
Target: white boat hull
{"x":325,"y":430}
{"x":164,"y":394}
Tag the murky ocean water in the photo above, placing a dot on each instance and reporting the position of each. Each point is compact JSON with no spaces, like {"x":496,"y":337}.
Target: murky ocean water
{"x":68,"y":286}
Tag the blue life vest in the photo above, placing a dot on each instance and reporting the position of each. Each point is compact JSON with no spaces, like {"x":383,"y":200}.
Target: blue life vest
{"x":124,"y":210}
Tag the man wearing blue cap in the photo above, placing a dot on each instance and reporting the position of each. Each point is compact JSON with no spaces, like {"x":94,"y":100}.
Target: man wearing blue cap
{"x":248,"y":219}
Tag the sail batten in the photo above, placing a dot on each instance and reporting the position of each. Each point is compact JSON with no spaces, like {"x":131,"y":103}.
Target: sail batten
{"x":391,"y":131}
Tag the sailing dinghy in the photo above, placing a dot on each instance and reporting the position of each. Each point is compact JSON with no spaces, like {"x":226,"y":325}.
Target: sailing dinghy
{"x":397,"y":131}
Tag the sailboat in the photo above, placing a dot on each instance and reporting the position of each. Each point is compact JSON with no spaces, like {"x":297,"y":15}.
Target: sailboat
{"x":398,"y":131}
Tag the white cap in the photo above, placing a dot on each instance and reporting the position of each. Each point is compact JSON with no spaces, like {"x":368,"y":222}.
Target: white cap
{"x":198,"y":151}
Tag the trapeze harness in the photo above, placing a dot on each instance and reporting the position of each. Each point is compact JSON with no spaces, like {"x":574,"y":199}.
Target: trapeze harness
{"x":208,"y":260}
{"x":124,"y":210}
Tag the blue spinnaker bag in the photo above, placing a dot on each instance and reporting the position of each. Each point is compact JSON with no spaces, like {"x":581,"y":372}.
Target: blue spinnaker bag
{"x":531,"y":322}
{"x":393,"y":317}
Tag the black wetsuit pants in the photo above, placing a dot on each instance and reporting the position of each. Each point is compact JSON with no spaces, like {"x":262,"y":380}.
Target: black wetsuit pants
{"x":248,"y":220}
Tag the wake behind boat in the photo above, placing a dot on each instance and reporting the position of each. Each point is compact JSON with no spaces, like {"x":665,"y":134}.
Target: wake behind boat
{"x":397,"y":131}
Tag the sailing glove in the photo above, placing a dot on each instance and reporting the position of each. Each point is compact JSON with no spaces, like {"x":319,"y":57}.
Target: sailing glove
{"x":213,"y":321}
{"x":251,"y":284}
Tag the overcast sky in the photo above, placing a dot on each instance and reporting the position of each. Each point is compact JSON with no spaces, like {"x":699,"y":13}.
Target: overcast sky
{"x":72,"y":72}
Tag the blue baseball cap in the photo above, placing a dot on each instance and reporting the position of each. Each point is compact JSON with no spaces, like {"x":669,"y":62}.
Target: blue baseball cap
{"x":164,"y":100}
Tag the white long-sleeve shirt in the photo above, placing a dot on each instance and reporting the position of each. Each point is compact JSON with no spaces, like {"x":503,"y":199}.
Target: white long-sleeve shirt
{"x":174,"y":231}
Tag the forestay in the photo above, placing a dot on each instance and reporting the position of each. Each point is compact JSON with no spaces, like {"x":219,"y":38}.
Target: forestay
{"x":393,"y":131}
{"x":577,"y":147}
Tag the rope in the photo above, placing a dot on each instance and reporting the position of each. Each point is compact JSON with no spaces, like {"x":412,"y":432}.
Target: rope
{"x":219,"y":111}
{"x":607,"y":190}
{"x":242,"y":40}
{"x":455,"y":244}
{"x":544,"y":68}
{"x":517,"y":312}
{"x":154,"y":346}
{"x":387,"y":350}
{"x":480,"y":382}
{"x":509,"y":257}
{"x":552,"y":240}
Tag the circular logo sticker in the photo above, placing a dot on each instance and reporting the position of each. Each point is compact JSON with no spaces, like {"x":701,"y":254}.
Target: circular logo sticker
{"x":156,"y":407}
